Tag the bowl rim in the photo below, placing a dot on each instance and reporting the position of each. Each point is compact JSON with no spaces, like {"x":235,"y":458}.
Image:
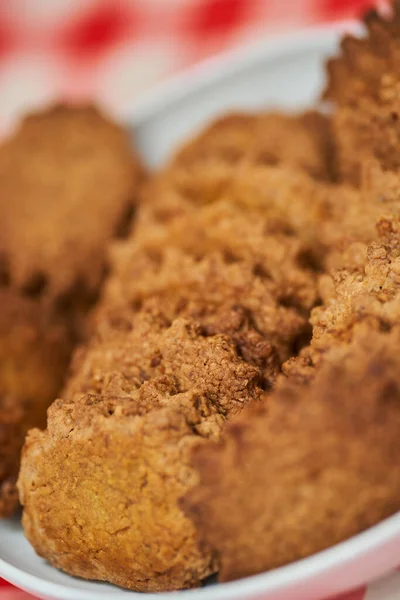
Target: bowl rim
{"x":224,"y":64}
{"x":272,"y":581}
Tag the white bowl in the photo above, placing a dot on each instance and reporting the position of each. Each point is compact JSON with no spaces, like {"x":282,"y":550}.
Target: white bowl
{"x":283,"y":72}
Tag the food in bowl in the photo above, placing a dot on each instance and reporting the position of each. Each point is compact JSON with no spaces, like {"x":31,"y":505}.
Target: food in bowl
{"x":69,"y":184}
{"x":245,"y":341}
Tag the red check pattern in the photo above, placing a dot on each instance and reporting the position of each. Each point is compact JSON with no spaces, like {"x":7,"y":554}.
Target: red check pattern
{"x":90,"y":48}
{"x":51,"y":49}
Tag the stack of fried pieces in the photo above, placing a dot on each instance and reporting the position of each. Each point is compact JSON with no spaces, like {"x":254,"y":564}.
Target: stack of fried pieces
{"x":69,"y":181}
{"x":261,"y":277}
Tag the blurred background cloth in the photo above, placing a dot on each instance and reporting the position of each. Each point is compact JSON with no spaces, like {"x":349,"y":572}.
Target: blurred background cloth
{"x":112,"y":50}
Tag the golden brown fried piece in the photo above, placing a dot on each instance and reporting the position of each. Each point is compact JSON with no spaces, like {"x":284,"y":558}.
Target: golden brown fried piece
{"x":34,"y":352}
{"x":101,"y":485}
{"x":144,"y":391}
{"x":324,"y":218}
{"x":363,"y":84}
{"x":277,"y":488}
{"x":69,"y":177}
{"x":220,"y":268}
{"x":206,"y":300}
{"x":69,"y":181}
{"x":205,"y":168}
{"x":278,"y":193}
{"x":365,"y":296}
{"x":282,"y":223}
{"x":219,"y":265}
{"x":302,"y":141}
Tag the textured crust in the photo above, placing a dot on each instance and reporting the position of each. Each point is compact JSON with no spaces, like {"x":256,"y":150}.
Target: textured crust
{"x":278,"y":488}
{"x":220,"y":268}
{"x":302,"y":141}
{"x":244,"y":279}
{"x":34,"y":352}
{"x":206,"y":299}
{"x":323,"y":218}
{"x":365,"y":296}
{"x":205,"y":169}
{"x":69,"y":181}
{"x":363,"y":85}
{"x":278,"y":192}
{"x":141,"y":395}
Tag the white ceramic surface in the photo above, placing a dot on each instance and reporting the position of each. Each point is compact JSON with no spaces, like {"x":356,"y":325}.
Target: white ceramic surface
{"x":285,"y":72}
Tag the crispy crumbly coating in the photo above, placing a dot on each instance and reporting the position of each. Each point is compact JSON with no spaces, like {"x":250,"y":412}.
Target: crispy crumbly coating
{"x":268,"y":190}
{"x":279,"y":192}
{"x":206,"y":299}
{"x":34,"y":352}
{"x":277,"y":488}
{"x":69,"y":180}
{"x":141,"y":395}
{"x":205,"y":169}
{"x":363,"y":296}
{"x":220,"y":268}
{"x":300,"y":140}
{"x":324,"y":218}
{"x":237,"y":149}
{"x":363,"y":84}
{"x":149,"y":386}
{"x":285,"y":223}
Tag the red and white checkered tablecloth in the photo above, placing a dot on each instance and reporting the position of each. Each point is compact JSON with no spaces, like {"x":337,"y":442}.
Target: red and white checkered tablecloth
{"x":81,"y":48}
{"x":52,"y":49}
{"x":8,"y":592}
